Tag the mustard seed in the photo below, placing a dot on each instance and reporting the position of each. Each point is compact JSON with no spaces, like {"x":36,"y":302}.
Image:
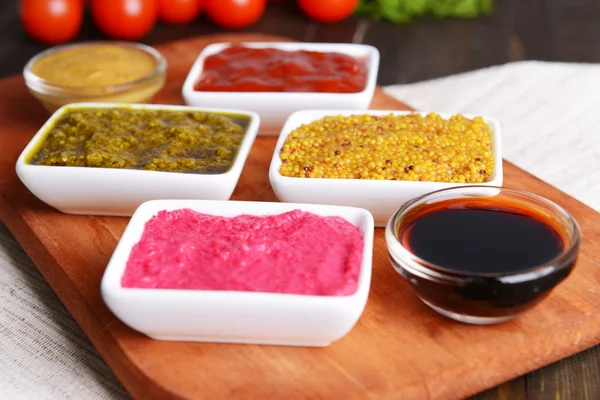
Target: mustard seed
{"x":420,"y":148}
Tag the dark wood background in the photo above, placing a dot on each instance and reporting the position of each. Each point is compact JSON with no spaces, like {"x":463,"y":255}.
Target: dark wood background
{"x":551,"y":30}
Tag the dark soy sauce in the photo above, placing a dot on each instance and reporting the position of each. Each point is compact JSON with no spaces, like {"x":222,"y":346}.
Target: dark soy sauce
{"x":480,"y":241}
{"x":469,"y":239}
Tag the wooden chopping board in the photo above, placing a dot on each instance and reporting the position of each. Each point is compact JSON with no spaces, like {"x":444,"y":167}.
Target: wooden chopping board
{"x":398,"y":349}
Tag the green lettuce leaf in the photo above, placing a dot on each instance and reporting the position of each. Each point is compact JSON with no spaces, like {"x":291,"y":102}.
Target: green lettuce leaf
{"x":403,"y":11}
{"x":460,"y":8}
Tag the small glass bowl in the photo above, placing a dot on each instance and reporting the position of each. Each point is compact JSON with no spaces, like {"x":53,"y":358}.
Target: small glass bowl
{"x":483,"y":298}
{"x":140,"y":90}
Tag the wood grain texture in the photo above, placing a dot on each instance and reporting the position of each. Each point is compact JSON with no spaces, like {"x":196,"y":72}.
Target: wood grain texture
{"x":398,"y":349}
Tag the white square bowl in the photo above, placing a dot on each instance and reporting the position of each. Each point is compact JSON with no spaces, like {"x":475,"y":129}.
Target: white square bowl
{"x":275,"y":107}
{"x":118,"y":192}
{"x":236,"y":316}
{"x":381,"y":197}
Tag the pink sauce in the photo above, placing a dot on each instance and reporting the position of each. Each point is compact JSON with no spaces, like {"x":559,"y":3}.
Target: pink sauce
{"x":294,"y":252}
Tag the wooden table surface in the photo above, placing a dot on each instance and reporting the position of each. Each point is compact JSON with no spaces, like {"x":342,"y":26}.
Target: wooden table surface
{"x":552,"y":30}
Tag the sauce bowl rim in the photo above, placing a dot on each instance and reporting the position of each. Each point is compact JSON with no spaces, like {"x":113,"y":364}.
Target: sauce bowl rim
{"x":416,"y":265}
{"x":371,"y":60}
{"x":43,"y":86}
{"x":299,"y":118}
{"x":111,"y":280}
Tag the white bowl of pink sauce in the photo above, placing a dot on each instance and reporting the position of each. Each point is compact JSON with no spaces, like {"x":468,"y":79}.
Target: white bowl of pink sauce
{"x":242,"y":272}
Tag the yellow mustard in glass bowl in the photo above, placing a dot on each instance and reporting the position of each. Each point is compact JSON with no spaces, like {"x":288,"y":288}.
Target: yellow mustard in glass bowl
{"x":108,"y":72}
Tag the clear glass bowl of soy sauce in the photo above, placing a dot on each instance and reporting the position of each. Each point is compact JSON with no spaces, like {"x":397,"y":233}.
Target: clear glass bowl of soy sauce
{"x":481,"y":254}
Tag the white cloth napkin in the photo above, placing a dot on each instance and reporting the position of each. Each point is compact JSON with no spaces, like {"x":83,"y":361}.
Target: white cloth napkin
{"x":551,"y":128}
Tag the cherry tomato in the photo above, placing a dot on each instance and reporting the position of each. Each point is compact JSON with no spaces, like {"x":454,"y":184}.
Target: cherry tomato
{"x":125,"y":19}
{"x":178,"y":12}
{"x":235,"y":14}
{"x":328,"y":11}
{"x":51,"y":21}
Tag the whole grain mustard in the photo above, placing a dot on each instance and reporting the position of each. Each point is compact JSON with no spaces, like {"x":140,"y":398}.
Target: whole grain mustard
{"x":391,"y":147}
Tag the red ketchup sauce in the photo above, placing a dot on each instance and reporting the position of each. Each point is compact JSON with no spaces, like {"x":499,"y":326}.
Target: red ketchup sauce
{"x":294,"y":252}
{"x":245,"y":69}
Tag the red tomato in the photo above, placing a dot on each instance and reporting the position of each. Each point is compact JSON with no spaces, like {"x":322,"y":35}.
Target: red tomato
{"x":328,"y":11}
{"x":125,"y":19}
{"x":51,"y":21}
{"x":235,"y":14}
{"x":178,"y":12}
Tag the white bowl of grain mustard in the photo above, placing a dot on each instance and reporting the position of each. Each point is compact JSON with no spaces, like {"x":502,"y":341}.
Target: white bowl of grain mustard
{"x":111,"y":72}
{"x":378,"y":160}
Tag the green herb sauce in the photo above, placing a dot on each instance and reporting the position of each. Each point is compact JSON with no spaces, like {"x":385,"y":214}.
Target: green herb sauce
{"x":156,"y":140}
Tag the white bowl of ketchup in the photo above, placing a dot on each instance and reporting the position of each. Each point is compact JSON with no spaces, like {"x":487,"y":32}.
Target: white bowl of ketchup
{"x":276,"y":84}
